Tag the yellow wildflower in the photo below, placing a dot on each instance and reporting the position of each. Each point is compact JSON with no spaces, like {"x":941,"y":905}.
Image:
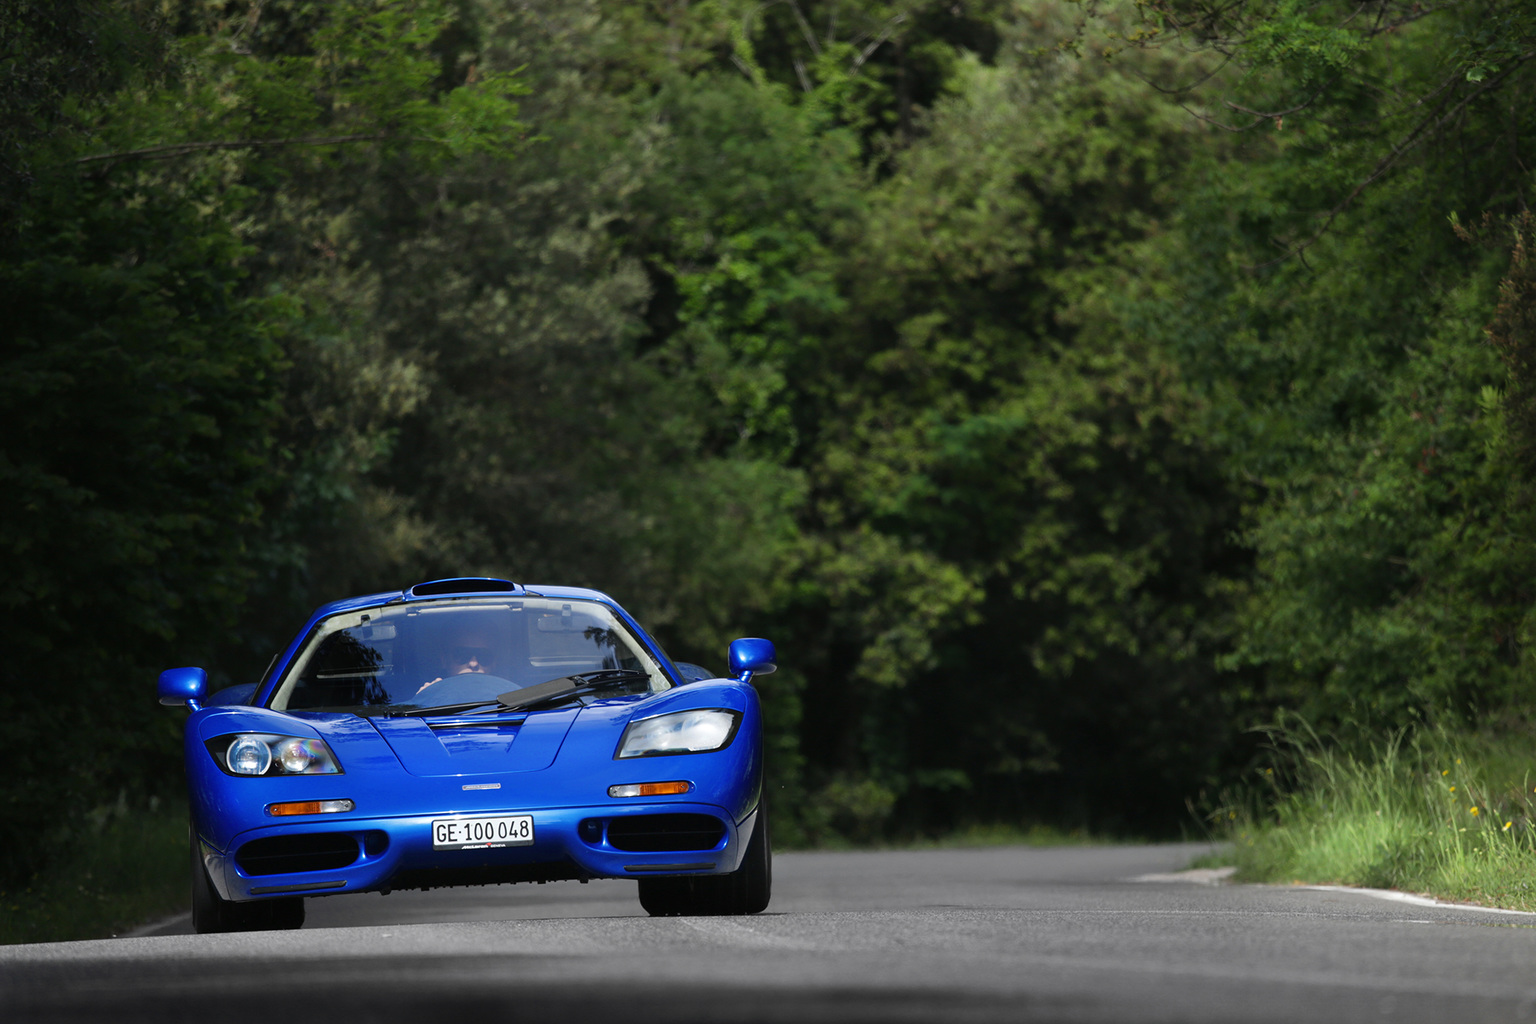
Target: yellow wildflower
{"x":1453,"y":789}
{"x":1472,"y":811}
{"x":1507,"y":824}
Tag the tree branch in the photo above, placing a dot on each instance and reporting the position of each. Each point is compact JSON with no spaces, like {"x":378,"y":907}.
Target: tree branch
{"x":885,"y":33}
{"x":805,"y":28}
{"x":1424,"y":129}
{"x":171,"y":150}
{"x":805,"y":81}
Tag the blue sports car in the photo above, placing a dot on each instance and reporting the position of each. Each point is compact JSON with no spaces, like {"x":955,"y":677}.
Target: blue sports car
{"x":474,"y":731}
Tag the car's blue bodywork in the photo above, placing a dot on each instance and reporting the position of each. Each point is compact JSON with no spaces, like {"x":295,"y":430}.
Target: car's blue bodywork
{"x":398,"y":774}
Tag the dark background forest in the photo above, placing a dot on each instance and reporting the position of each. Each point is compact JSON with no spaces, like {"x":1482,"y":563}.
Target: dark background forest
{"x":1067,"y":388}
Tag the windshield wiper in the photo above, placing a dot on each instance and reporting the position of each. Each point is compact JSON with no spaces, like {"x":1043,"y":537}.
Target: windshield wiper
{"x":573,"y":685}
{"x":442,"y":709}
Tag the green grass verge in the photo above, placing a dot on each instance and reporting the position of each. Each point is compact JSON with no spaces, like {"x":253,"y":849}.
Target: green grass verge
{"x":121,"y":868}
{"x":1443,"y":815}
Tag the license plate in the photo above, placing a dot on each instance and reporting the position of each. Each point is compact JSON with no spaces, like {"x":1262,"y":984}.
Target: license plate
{"x":482,"y":833}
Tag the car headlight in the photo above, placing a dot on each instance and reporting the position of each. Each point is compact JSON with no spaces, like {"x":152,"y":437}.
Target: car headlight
{"x":264,"y":753}
{"x":682,"y":732}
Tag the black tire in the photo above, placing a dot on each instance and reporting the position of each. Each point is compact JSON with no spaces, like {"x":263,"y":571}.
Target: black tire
{"x":746,"y":890}
{"x":213,"y":913}
{"x":284,"y":914}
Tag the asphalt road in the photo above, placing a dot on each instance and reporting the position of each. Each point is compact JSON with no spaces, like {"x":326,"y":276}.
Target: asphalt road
{"x":1004,"y":934}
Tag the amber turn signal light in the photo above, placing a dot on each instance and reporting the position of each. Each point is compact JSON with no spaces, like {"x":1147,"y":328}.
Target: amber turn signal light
{"x":650,"y":789}
{"x":310,"y":807}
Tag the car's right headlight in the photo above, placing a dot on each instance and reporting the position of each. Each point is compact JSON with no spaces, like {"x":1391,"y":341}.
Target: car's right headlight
{"x":681,"y":732}
{"x":264,"y":753}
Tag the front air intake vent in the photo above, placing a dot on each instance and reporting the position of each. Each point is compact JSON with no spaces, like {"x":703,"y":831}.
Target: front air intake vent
{"x":656,"y":833}
{"x":278,"y":855}
{"x":464,"y":585}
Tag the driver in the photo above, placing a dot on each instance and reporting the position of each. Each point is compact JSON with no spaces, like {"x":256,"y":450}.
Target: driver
{"x":470,"y":650}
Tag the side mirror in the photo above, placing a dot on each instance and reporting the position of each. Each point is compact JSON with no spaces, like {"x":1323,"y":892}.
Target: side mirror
{"x":751,"y":655}
{"x":183,"y":686}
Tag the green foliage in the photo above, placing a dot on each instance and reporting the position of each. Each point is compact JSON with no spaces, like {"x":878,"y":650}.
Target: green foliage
{"x":1350,"y":382}
{"x":59,"y":55}
{"x":120,"y":865}
{"x":365,"y":73}
{"x":1023,"y":463}
{"x":873,"y":65}
{"x":147,"y":361}
{"x":1513,"y":334}
{"x":1310,"y":54}
{"x":1448,"y":814}
{"x":1059,"y":398}
{"x":139,"y":388}
{"x":741,"y":221}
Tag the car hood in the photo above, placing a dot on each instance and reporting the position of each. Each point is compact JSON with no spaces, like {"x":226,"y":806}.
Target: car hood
{"x":428,"y":747}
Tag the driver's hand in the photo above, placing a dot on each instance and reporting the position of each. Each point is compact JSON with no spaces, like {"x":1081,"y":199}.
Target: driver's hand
{"x":431,"y":682}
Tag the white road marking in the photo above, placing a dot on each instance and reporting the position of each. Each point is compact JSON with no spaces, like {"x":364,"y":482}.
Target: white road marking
{"x":1417,"y":901}
{"x":1213,"y":876}
{"x":1199,"y":876}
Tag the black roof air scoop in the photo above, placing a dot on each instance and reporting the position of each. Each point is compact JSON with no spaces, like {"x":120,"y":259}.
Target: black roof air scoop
{"x":464,"y":585}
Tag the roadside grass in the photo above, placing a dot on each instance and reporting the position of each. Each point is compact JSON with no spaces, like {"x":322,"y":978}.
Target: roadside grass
{"x":118,"y":869}
{"x":1451,"y":816}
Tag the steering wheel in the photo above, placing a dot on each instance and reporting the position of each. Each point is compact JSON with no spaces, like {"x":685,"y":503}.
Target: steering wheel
{"x":461,"y":688}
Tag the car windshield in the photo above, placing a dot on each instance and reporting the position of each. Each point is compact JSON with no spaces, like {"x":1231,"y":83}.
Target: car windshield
{"x":433,"y":654}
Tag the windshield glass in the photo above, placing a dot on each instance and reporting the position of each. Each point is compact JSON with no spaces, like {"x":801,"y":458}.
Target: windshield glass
{"x":431,"y":654}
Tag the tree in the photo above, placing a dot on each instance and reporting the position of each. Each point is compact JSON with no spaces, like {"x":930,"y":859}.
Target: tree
{"x":1334,"y":320}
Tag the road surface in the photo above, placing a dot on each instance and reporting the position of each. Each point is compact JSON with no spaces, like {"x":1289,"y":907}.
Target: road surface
{"x":997,"y":934}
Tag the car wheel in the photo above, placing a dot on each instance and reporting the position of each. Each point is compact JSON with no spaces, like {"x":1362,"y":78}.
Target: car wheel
{"x":283,"y":914}
{"x":746,"y":890}
{"x":212,"y":913}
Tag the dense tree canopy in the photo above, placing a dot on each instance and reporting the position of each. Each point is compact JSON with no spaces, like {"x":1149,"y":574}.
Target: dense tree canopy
{"x":1065,"y":387}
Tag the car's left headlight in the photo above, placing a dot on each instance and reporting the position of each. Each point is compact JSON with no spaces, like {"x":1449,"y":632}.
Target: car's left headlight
{"x":263,"y":753}
{"x":681,"y":732}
